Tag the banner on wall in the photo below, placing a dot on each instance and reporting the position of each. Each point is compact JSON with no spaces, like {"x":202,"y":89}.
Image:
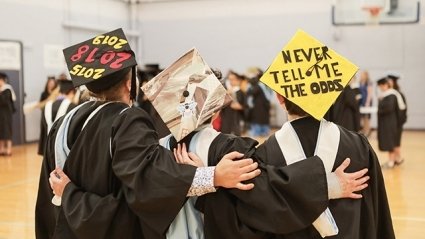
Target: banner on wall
{"x":10,"y":55}
{"x":53,"y":57}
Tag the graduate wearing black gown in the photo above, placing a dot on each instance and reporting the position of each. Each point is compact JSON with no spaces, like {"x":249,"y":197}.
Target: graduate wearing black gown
{"x":53,"y":110}
{"x":346,"y":110}
{"x":368,"y":217}
{"x":402,"y":115}
{"x":124,"y":184}
{"x":7,"y":108}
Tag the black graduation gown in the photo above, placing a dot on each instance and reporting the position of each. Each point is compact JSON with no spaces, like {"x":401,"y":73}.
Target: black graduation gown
{"x":260,"y":113}
{"x":6,"y":111}
{"x":141,"y":185}
{"x":43,"y":124}
{"x":231,"y":118}
{"x":388,"y":127}
{"x":402,"y":118}
{"x":276,"y":204}
{"x":357,"y":219}
{"x":346,"y":110}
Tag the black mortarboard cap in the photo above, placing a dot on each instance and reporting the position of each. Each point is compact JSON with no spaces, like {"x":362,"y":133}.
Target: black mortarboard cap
{"x":393,"y":77}
{"x":382,"y":81}
{"x":65,"y":86}
{"x":3,"y":76}
{"x":100,"y":62}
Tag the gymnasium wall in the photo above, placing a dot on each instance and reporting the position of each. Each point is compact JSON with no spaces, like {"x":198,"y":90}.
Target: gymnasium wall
{"x":241,"y":33}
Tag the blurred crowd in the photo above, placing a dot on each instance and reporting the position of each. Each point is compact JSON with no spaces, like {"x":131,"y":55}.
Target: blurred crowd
{"x":248,"y":114}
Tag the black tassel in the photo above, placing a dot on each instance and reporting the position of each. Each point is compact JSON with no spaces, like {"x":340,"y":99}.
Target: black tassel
{"x":133,"y":90}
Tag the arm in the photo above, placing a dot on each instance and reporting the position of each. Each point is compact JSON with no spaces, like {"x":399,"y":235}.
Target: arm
{"x":276,"y":204}
{"x":154,"y":185}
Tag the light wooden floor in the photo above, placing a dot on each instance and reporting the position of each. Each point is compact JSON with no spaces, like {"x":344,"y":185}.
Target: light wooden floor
{"x":405,"y":187}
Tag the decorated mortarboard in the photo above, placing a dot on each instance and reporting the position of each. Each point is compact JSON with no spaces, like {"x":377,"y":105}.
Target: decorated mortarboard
{"x":65,"y":86}
{"x":186,"y":94}
{"x":309,"y":74}
{"x":100,"y":62}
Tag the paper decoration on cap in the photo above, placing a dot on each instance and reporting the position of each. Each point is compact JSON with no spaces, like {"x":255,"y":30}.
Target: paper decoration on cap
{"x":186,"y":94}
{"x":309,"y":74}
{"x":99,"y":57}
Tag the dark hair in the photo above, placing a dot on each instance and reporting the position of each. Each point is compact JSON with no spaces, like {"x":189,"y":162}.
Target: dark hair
{"x":395,"y":85}
{"x":50,"y":78}
{"x":112,"y":93}
{"x":3,"y":76}
{"x":294,"y":109}
{"x":238,"y":76}
{"x":107,"y":82}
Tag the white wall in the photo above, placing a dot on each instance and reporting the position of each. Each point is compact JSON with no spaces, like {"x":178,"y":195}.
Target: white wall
{"x":241,"y":33}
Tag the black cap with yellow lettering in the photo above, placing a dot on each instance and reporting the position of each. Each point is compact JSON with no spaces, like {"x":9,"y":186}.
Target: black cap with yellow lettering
{"x":101,"y":62}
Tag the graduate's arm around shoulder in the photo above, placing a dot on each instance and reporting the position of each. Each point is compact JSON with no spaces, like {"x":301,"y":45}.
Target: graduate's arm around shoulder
{"x":276,"y":204}
{"x":154,"y":185}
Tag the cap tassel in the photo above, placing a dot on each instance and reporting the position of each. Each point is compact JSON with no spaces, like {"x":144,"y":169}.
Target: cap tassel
{"x":133,"y":90}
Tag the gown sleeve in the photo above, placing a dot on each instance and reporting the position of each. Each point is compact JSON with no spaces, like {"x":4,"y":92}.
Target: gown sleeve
{"x":284,"y":199}
{"x":45,"y":211}
{"x":376,"y":211}
{"x":154,"y":185}
{"x":89,"y":214}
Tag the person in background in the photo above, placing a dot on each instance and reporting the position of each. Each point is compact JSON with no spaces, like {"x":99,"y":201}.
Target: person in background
{"x":7,"y":108}
{"x":232,"y":115}
{"x":48,"y":88}
{"x":366,"y":91}
{"x":144,"y":76}
{"x":346,"y":111}
{"x":402,"y":114}
{"x":54,"y":109}
{"x":258,"y":105}
{"x":387,"y":121}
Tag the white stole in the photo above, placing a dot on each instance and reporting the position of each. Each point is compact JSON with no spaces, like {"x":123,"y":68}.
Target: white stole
{"x":326,"y":148}
{"x":189,"y":222}
{"x":400,"y":102}
{"x":61,"y":112}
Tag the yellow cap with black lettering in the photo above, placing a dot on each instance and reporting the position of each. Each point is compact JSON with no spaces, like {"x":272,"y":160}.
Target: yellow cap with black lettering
{"x":309,"y":74}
